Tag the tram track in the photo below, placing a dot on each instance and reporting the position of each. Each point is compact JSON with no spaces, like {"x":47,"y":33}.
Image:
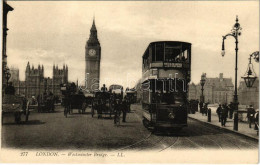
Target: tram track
{"x":197,"y":138}
{"x":171,"y":145}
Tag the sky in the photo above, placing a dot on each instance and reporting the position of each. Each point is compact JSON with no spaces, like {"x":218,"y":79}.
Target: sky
{"x":55,"y":32}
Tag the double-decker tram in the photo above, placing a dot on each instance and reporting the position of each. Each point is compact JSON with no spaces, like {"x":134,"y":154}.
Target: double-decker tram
{"x":165,"y":75}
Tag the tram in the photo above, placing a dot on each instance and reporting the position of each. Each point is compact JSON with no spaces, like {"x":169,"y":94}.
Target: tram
{"x":166,"y":70}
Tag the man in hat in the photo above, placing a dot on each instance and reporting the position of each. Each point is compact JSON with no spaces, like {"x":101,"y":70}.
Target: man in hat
{"x":250,"y":115}
{"x":219,"y":110}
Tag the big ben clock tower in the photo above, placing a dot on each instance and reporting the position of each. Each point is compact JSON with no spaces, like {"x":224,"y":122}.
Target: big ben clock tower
{"x":92,"y":56}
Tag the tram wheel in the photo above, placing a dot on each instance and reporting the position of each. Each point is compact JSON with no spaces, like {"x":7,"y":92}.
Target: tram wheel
{"x":146,"y":123}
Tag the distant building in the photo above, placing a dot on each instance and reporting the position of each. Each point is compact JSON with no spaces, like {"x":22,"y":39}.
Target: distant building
{"x":34,"y":80}
{"x":216,"y":90}
{"x":249,"y":96}
{"x":35,"y":83}
{"x":60,"y":76}
{"x":14,"y":79}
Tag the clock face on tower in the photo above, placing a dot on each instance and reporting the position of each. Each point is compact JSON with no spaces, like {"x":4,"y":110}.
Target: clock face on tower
{"x":92,"y":52}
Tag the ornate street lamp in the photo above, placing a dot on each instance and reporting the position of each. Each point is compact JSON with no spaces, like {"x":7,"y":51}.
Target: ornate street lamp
{"x":7,"y":75}
{"x":250,"y":75}
{"x":235,"y":32}
{"x":202,"y":83}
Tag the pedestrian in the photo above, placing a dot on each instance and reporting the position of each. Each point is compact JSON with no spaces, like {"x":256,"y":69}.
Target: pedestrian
{"x":257,"y":121}
{"x":116,"y":110}
{"x":224,"y":114}
{"x":219,"y":110}
{"x":250,"y":115}
{"x":231,"y":110}
{"x":196,"y":105}
{"x":201,"y":106}
{"x":206,"y":109}
{"x":124,"y":109}
{"x":104,"y":88}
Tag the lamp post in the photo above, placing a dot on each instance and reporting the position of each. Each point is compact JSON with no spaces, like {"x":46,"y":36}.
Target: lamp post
{"x":202,"y":83}
{"x":235,"y":32}
{"x":250,"y":75}
{"x":7,"y":75}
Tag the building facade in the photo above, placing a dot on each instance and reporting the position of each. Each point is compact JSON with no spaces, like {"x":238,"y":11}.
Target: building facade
{"x":249,"y":96}
{"x":92,"y":57}
{"x":36,"y":84}
{"x":60,"y":76}
{"x":216,"y":90}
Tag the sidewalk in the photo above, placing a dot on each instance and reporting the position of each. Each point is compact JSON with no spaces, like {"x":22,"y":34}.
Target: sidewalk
{"x":243,"y":127}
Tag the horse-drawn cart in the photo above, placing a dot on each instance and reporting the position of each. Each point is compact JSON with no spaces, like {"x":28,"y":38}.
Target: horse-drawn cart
{"x":101,"y":103}
{"x":17,"y":106}
{"x":77,"y":101}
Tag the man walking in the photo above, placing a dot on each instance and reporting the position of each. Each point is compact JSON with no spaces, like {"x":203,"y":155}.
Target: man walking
{"x":224,"y":114}
{"x":250,"y":115}
{"x":124,"y":110}
{"x":219,"y":110}
{"x":201,"y":107}
{"x":231,"y":109}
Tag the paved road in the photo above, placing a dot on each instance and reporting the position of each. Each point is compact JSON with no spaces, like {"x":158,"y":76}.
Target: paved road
{"x":81,"y":131}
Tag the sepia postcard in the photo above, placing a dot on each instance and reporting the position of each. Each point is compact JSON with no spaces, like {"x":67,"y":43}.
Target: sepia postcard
{"x":130,"y":82}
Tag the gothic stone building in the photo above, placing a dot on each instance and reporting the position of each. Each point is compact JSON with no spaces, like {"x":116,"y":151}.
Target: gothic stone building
{"x":216,"y":90}
{"x":35,"y":83}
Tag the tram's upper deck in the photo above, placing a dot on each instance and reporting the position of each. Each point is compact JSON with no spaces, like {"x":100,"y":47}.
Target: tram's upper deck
{"x":166,"y":55}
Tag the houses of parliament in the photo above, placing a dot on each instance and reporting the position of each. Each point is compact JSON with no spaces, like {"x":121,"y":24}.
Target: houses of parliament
{"x":36,"y":84}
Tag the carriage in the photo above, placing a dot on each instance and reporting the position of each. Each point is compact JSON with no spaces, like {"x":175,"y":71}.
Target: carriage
{"x":71,"y":99}
{"x":17,"y":106}
{"x":101,"y":104}
{"x":131,"y":95}
{"x":45,"y":103}
{"x":88,"y":99}
{"x":77,"y":101}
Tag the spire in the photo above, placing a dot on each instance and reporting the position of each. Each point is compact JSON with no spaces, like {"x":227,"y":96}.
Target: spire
{"x":28,"y":66}
{"x":93,"y":39}
{"x":93,"y":28}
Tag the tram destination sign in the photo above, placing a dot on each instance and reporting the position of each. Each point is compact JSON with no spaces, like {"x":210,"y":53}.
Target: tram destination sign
{"x":167,"y":65}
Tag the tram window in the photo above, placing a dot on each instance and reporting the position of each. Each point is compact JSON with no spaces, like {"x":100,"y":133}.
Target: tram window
{"x":153,"y":53}
{"x":169,"y":54}
{"x":159,"y":52}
